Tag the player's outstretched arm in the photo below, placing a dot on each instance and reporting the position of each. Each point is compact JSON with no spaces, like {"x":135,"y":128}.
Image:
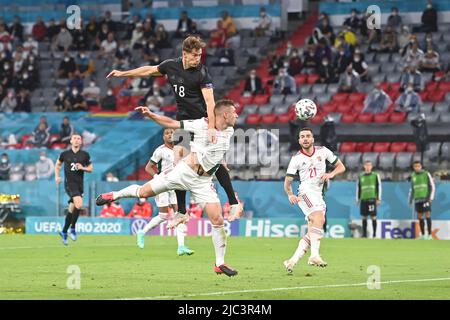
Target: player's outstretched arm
{"x":57,"y":169}
{"x":163,"y":121}
{"x":145,"y":71}
{"x":288,"y":189}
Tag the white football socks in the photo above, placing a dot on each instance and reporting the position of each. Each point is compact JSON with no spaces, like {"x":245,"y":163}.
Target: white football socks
{"x":181,"y":233}
{"x":303,"y":247}
{"x":315,"y":234}
{"x":219,"y":238}
{"x":160,"y":218}
{"x":128,"y":192}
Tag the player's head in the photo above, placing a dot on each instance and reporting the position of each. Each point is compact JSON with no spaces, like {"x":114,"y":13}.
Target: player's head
{"x":225,"y":110}
{"x":306,"y":138}
{"x":168,"y":135}
{"x":417,"y":166}
{"x":76,"y":140}
{"x":368,"y":166}
{"x":192,"y":51}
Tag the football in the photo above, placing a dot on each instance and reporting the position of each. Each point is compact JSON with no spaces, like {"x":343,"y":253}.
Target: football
{"x":305,"y":109}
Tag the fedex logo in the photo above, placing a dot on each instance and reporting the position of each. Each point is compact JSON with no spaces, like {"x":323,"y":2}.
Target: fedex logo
{"x":390,"y":232}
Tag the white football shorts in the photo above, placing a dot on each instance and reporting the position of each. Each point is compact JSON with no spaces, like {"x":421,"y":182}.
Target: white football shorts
{"x":311,"y":202}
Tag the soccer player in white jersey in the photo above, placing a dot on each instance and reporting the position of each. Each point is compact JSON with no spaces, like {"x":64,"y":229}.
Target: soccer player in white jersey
{"x":163,"y":158}
{"x":309,"y":162}
{"x":193,"y":173}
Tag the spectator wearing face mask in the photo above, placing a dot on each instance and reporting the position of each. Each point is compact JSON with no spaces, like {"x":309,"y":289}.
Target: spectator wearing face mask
{"x":349,"y":80}
{"x":388,"y":40}
{"x":264,"y":25}
{"x":109,"y":101}
{"x":430,"y":61}
{"x":32,"y":71}
{"x":23,"y":102}
{"x":24,"y":82}
{"x":40,"y":137}
{"x":403,"y":39}
{"x":9,"y":103}
{"x":31,"y":46}
{"x":218,"y":36}
{"x":91,"y":93}
{"x":80,"y":38}
{"x":76,"y":101}
{"x":284,"y":83}
{"x":141,"y":209}
{"x":39,"y":30}
{"x":5,"y":167}
{"x":61,"y":103}
{"x":295,"y":64}
{"x":353,"y":21}
{"x":377,"y":101}
{"x":194,"y":210}
{"x":310,"y":62}
{"x":7,"y":75}
{"x":66,"y":131}
{"x":108,"y":47}
{"x":326,"y":73}
{"x":62,"y":41}
{"x":137,"y":37}
{"x":111,"y":178}
{"x":360,"y":66}
{"x":394,"y":20}
{"x":161,"y":37}
{"x":253,"y":84}
{"x":84,"y":64}
{"x":225,"y":57}
{"x":76,"y":82}
{"x":413,"y":55}
{"x":112,"y":210}
{"x":66,"y":67}
{"x":44,"y":167}
{"x":43,"y":121}
{"x":341,"y":61}
{"x":154,"y":98}
{"x":408,"y":101}
{"x":122,"y":57}
{"x":150,"y":52}
{"x":411,"y":76}
{"x":429,"y":19}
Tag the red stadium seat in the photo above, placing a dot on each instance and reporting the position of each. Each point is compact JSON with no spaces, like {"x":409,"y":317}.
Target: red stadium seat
{"x":381,"y":117}
{"x":312,"y":78}
{"x":253,"y":118}
{"x":344,"y":107}
{"x":423,"y":95}
{"x":261,"y":99}
{"x":123,"y":102}
{"x":436,"y":96}
{"x":356,"y":97}
{"x":340,"y":97}
{"x":284,"y":118}
{"x":329,"y":107}
{"x":161,"y":81}
{"x":364,"y":147}
{"x":358,"y":107}
{"x":171,"y":108}
{"x":411,"y":147}
{"x":393,"y":94}
{"x":267,"y":80}
{"x":398,"y":146}
{"x":348,"y":118}
{"x":134,"y":102}
{"x":25,"y":138}
{"x":385,"y":86}
{"x":348,"y":147}
{"x":301,"y":79}
{"x":444,"y":86}
{"x":381,"y":147}
{"x":395,"y":86}
{"x":365,"y":118}
{"x":245,"y":100}
{"x":269,"y":118}
{"x":397,"y":117}
{"x":431,"y":86}
{"x":318,"y":119}
{"x":234,"y":94}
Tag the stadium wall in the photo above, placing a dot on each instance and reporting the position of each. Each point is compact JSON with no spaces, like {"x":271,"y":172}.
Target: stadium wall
{"x":410,"y":11}
{"x":262,"y":199}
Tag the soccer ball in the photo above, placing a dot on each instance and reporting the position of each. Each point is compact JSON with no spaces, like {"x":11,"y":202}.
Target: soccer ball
{"x":305,"y":109}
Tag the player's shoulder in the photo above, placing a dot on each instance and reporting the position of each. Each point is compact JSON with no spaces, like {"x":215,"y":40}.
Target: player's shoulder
{"x":172,"y":62}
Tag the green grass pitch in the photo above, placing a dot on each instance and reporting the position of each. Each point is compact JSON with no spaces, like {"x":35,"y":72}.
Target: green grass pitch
{"x":112,"y":267}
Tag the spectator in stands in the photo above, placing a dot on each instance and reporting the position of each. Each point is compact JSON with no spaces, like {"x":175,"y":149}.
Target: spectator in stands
{"x":91,"y":93}
{"x":412,"y":76}
{"x":137,"y":37}
{"x":388,"y":41}
{"x":39,"y":30}
{"x":40,"y":136}
{"x":148,"y":32}
{"x":76,"y":101}
{"x":284,"y":83}
{"x":276,"y":63}
{"x":67,"y":130}
{"x":23,"y":102}
{"x":84,"y":64}
{"x":151,"y":19}
{"x":132,"y":26}
{"x":66,"y":67}
{"x":154,"y":97}
{"x":349,"y":80}
{"x":80,"y":38}
{"x":110,"y":177}
{"x":33,"y":70}
{"x":349,"y":35}
{"x":2,"y":92}
{"x":112,"y":210}
{"x":43,"y":121}
{"x":62,"y":41}
{"x":7,"y":75}
{"x":253,"y":84}
{"x":408,"y":101}
{"x":310,"y":62}
{"x":31,"y":46}
{"x":218,"y":36}
{"x":377,"y":101}
{"x":108,"y":47}
{"x":122,"y":57}
{"x":24,"y":82}
{"x":263,"y":28}
{"x":403,"y":40}
{"x":194,"y":210}
{"x":5,"y":167}
{"x":184,"y":27}
{"x":102,"y":35}
{"x":150,"y":52}
{"x":107,"y":19}
{"x":141,"y":209}
{"x":9,"y":103}
{"x":161,"y":37}
{"x":76,"y":82}
{"x":295,"y":64}
{"x":360,"y":66}
{"x":413,"y":56}
{"x":18,"y":60}
{"x":353,"y":21}
{"x":394,"y":20}
{"x":16,"y":29}
{"x":5,"y":36}
{"x":430,"y":61}
{"x":109,"y":102}
{"x":92,"y":29}
{"x":326,"y":72}
{"x":61,"y":102}
{"x":225,"y":57}
{"x":323,"y":50}
{"x":341,"y":61}
{"x":52,"y":30}
{"x":44,"y":167}
{"x":429,"y":19}
{"x":327,"y":31}
{"x":228,"y":24}
{"x":314,"y":38}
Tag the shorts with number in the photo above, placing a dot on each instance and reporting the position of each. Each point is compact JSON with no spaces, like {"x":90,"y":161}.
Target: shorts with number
{"x":183,"y":177}
{"x":422,"y":206}
{"x":368,"y":207}
{"x":311,"y":202}
{"x":166,"y":199}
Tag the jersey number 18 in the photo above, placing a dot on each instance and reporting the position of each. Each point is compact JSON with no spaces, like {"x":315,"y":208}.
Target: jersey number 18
{"x":179,"y":92}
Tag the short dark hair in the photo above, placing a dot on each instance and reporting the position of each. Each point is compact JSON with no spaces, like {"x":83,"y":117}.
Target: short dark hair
{"x":222,"y":104}
{"x":76,"y":134}
{"x":368,"y":161}
{"x":193,"y":43}
{"x":417,"y":161}
{"x":306,"y":129}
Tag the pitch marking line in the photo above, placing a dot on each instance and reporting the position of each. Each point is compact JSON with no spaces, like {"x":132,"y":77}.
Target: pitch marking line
{"x":79,"y":246}
{"x":284,"y":289}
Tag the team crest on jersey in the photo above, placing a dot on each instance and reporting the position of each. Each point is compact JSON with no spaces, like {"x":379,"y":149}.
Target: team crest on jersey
{"x":319,"y":158}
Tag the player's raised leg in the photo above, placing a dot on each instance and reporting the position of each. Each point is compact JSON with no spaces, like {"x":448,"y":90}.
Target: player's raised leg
{"x":77,"y":205}
{"x":303,"y":246}
{"x":132,"y":191}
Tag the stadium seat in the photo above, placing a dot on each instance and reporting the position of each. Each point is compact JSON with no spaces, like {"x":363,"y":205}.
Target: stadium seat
{"x":385,"y":86}
{"x":381,"y":146}
{"x":444,"y":86}
{"x":386,"y":160}
{"x":332,"y":88}
{"x":250,"y":108}
{"x":301,"y":79}
{"x":370,"y":156}
{"x":356,"y":97}
{"x":441,"y":107}
{"x":340,"y":97}
{"x":364,"y":147}
{"x":323,"y":98}
{"x":291,"y":99}
{"x":403,"y":160}
{"x":348,"y":147}
{"x":435,"y":96}
{"x":445,"y":118}
{"x":353,"y":160}
{"x":411,"y":147}
{"x":253,"y":119}
{"x":381,"y":117}
{"x":319,"y":89}
{"x":427,"y":107}
{"x":432,"y":86}
{"x":445,"y":151}
{"x":284,"y":118}
{"x":276,"y":99}
{"x":265,"y":109}
{"x":261,"y":99}
{"x":395,"y":86}
{"x":304,"y":89}
{"x":269,"y":118}
{"x":398,"y":146}
{"x":245,"y":100}
{"x":312,"y":78}
{"x":365,"y":118}
{"x":397,"y":117}
{"x":318,"y":119}
{"x":348,"y":118}
{"x":344,"y":107}
{"x":329,"y":107}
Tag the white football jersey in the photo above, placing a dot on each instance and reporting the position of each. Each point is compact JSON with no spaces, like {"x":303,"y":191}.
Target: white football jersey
{"x":209,"y":155}
{"x":164,"y":157}
{"x":311,"y":168}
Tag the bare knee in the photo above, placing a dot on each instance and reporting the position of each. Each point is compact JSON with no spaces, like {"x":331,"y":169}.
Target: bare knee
{"x":146,"y":191}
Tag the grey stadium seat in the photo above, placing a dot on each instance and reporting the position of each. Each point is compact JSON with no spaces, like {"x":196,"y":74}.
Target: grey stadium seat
{"x":433,"y":117}
{"x":445,"y":118}
{"x":447,"y":97}
{"x":323,"y":98}
{"x":333,"y":88}
{"x":386,"y":160}
{"x":319,"y":88}
{"x":383,"y":57}
{"x":250,"y":108}
{"x":305,"y":88}
{"x":441,"y":107}
{"x":403,"y":160}
{"x":353,"y":160}
{"x":371,"y":156}
{"x":276,"y":99}
{"x":285,"y":158}
{"x":290,"y":99}
{"x":265,"y":109}
{"x":427,"y":107}
{"x":445,"y":151}
{"x":281,"y":109}
{"x":433,"y":152}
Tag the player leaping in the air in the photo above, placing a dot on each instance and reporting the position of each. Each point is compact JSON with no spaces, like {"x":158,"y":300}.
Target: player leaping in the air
{"x":309,"y":162}
{"x":193,"y":89}
{"x":194,"y":172}
{"x":163,"y":157}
